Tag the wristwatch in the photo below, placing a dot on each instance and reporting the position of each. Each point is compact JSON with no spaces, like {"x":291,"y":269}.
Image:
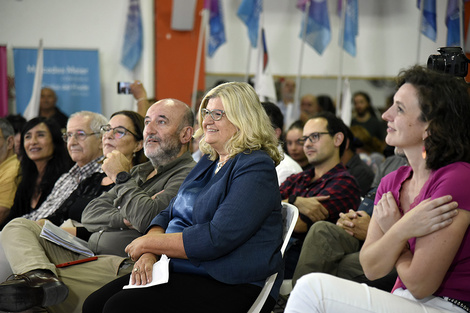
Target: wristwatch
{"x":292,"y":199}
{"x":122,"y":177}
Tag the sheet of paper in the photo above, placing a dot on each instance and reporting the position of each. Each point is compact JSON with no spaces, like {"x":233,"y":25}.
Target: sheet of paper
{"x":160,"y":274}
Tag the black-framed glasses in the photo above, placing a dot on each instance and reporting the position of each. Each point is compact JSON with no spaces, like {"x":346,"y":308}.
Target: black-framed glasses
{"x":313,"y":137}
{"x":118,"y":132}
{"x":216,"y":114}
{"x":78,"y":135}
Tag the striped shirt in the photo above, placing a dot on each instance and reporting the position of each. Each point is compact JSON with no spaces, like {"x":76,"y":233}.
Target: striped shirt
{"x":63,"y":188}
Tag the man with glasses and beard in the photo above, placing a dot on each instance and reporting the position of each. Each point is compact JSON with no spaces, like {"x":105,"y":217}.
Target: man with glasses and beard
{"x":324,"y":191}
{"x":115,"y":218}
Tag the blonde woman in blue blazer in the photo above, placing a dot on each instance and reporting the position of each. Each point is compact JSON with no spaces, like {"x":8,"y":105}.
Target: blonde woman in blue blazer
{"x":223,"y":230}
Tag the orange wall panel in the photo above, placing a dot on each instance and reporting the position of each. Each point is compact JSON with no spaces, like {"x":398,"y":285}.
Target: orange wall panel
{"x":175,"y":55}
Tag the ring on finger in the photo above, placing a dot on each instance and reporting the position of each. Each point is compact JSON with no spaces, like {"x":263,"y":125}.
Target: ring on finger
{"x":136,"y":269}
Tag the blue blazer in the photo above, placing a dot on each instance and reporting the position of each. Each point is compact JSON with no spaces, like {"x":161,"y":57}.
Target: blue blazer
{"x":237,"y":222}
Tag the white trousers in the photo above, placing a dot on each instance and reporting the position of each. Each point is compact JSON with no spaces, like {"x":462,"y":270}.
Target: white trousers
{"x":318,"y":292}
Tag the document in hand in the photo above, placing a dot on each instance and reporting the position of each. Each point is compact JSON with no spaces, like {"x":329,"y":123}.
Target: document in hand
{"x":160,"y":274}
{"x":62,"y":238}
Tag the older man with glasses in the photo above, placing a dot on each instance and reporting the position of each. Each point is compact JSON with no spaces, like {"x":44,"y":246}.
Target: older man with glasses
{"x":85,"y":148}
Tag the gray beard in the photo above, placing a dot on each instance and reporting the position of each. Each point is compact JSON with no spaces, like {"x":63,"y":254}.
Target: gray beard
{"x":164,"y":156}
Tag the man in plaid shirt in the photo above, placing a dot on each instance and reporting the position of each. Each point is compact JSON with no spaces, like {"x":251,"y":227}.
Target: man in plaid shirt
{"x":324,"y":191}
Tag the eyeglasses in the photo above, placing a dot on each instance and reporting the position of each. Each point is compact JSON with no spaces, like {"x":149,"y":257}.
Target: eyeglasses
{"x":79,"y":135}
{"x":215,"y":114}
{"x":118,"y":132}
{"x":313,"y":137}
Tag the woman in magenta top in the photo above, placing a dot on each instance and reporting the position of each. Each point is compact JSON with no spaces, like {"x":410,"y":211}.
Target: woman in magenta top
{"x":421,"y":214}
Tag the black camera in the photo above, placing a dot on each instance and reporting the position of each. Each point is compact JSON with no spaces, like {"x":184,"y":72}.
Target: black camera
{"x":451,"y":60}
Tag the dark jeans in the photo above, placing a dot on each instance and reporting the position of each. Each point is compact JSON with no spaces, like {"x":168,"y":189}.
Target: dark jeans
{"x":183,"y":293}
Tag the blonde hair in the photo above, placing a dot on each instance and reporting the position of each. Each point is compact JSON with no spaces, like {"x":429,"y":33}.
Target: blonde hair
{"x":243,"y":109}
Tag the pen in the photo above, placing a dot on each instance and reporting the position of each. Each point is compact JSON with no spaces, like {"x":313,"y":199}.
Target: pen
{"x":93,"y":258}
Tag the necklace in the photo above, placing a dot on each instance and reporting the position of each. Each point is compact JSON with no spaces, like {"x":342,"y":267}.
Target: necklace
{"x":219,"y":165}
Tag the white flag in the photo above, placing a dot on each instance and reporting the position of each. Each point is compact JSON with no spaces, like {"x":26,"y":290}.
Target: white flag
{"x":264,"y":82}
{"x":346,"y":108}
{"x":32,"y":110}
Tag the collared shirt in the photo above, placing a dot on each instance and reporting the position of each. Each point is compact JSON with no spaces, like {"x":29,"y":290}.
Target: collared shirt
{"x":337,"y":183}
{"x":287,"y":167}
{"x":63,"y":188}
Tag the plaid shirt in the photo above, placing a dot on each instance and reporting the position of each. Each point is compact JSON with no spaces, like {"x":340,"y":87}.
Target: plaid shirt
{"x":337,"y":183}
{"x":63,"y":188}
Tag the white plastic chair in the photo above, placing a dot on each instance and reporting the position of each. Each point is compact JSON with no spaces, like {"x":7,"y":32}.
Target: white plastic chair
{"x":290,"y":214}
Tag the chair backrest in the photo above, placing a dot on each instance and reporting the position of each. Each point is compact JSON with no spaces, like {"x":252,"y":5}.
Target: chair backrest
{"x":290,"y":213}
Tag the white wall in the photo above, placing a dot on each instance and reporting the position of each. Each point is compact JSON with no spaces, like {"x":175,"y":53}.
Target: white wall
{"x":86,"y":24}
{"x":387,"y":42}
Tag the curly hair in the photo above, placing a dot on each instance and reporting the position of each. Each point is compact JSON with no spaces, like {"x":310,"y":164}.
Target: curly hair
{"x":243,"y":109}
{"x":445,"y":104}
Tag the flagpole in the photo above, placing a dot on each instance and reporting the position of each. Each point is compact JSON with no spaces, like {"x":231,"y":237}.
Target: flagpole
{"x":202,"y":29}
{"x":301,"y":56}
{"x":421,"y":10}
{"x":248,"y":62}
{"x":32,"y":110}
{"x":461,"y":17}
{"x":259,"y":60}
{"x":341,"y":52}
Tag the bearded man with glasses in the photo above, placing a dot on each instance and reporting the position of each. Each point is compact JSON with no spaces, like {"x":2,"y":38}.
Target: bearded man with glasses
{"x":324,"y":191}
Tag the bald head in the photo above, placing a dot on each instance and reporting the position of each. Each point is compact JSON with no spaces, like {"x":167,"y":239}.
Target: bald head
{"x":48,"y":99}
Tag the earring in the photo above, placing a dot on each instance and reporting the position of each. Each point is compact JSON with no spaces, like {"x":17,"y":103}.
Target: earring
{"x":133,"y":155}
{"x":423,"y":154}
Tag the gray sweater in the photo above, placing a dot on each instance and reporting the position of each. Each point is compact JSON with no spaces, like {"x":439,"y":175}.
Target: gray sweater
{"x":138,"y":200}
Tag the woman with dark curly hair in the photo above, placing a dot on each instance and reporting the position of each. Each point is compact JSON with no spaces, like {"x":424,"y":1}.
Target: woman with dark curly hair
{"x":421,"y":214}
{"x":44,"y":158}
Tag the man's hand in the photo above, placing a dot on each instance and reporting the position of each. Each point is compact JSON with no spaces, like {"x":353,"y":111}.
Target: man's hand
{"x":312,"y":208}
{"x":128,"y":224}
{"x":354,"y":223}
{"x":115,"y":163}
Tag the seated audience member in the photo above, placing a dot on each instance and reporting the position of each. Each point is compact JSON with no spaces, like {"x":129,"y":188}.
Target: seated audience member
{"x":360,"y":170}
{"x":48,"y":107}
{"x":308,"y":107}
{"x":371,"y":151}
{"x":326,"y":104}
{"x":9,"y":166}
{"x":17,"y":122}
{"x":289,"y":109}
{"x":123,"y":133}
{"x":421,"y":214}
{"x":334,"y":249}
{"x":44,"y":159}
{"x":122,"y":215}
{"x":365,"y":115}
{"x":287,"y":166}
{"x":220,"y":259}
{"x":324,"y":191}
{"x":294,"y":149}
